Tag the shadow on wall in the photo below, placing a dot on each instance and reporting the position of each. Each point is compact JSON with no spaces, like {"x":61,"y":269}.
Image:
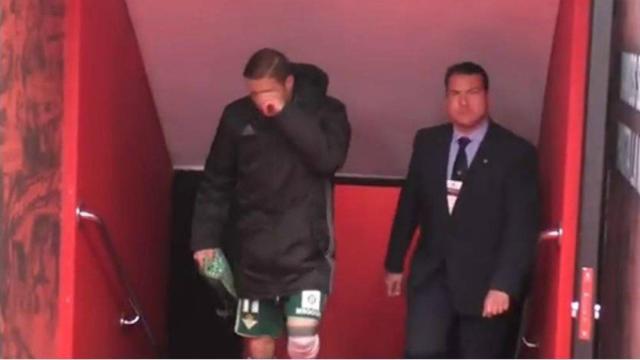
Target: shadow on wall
{"x":194,"y":328}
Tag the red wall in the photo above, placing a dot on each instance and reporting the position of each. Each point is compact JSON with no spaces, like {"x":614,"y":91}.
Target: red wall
{"x":361,"y":321}
{"x":117,"y":166}
{"x":560,"y":147}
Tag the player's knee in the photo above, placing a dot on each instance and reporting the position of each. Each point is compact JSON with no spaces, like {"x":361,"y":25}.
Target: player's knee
{"x":261,"y":347}
{"x":303,"y":347}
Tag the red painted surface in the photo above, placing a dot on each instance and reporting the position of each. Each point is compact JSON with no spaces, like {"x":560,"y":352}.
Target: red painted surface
{"x":585,"y":316}
{"x":68,"y":226}
{"x":123,"y":173}
{"x":560,"y":147}
{"x":361,"y":321}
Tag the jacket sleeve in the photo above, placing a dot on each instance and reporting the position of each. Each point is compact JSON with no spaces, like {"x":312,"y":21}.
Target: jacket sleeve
{"x":519,"y":241}
{"x":216,"y":190}
{"x":322,"y":136}
{"x":406,"y":218}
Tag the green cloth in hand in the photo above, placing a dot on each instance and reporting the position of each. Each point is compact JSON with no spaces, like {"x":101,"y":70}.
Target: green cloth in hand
{"x":217,"y":271}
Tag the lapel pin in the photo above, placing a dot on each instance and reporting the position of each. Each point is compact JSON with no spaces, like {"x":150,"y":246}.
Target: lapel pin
{"x":485,"y":161}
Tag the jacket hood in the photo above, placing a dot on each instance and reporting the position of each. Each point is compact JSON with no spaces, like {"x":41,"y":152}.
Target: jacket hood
{"x":311,"y":82}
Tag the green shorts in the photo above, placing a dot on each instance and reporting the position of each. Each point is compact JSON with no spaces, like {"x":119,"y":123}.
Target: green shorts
{"x":267,"y":317}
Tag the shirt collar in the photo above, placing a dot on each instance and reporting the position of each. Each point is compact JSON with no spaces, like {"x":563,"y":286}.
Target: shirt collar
{"x":476,"y":135}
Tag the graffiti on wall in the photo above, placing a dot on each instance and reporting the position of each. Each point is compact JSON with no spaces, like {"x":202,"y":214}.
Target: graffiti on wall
{"x":31,"y":103}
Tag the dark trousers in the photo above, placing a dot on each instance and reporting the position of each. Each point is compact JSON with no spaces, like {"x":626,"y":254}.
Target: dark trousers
{"x":436,"y":330}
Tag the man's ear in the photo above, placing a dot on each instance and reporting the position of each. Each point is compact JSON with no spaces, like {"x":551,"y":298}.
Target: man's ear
{"x":289,"y":82}
{"x":488,"y":100}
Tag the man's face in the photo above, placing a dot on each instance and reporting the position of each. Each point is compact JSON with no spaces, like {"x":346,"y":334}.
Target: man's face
{"x":270,"y":95}
{"x":467,"y":100}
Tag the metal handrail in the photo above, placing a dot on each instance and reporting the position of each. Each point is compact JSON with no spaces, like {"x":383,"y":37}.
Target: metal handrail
{"x":83,"y":214}
{"x":553,"y":234}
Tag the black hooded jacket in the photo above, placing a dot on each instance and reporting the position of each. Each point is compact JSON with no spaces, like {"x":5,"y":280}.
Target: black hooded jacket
{"x":269,"y":181}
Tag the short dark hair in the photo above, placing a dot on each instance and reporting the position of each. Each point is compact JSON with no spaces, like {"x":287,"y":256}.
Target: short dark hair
{"x":267,"y":63}
{"x":466,"y":68}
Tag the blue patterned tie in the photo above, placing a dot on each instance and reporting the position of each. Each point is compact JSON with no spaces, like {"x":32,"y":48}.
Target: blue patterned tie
{"x":460,"y":165}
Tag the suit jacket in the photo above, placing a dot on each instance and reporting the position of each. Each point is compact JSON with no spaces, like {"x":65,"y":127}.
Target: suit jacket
{"x":489,"y":240}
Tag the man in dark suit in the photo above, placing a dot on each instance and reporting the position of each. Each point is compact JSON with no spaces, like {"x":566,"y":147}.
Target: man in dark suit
{"x":472,"y":190}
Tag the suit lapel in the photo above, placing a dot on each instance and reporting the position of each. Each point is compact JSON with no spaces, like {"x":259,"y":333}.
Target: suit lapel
{"x":442,"y":161}
{"x":481,"y":158}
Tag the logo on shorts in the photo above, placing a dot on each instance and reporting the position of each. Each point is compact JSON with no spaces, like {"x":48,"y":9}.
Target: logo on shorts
{"x":308,"y":312}
{"x":249,"y":321}
{"x":311,"y":300}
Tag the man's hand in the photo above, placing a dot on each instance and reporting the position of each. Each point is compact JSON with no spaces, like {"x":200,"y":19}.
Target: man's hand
{"x":270,"y":104}
{"x":201,"y":256}
{"x":496,"y":303}
{"x":394,"y":283}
